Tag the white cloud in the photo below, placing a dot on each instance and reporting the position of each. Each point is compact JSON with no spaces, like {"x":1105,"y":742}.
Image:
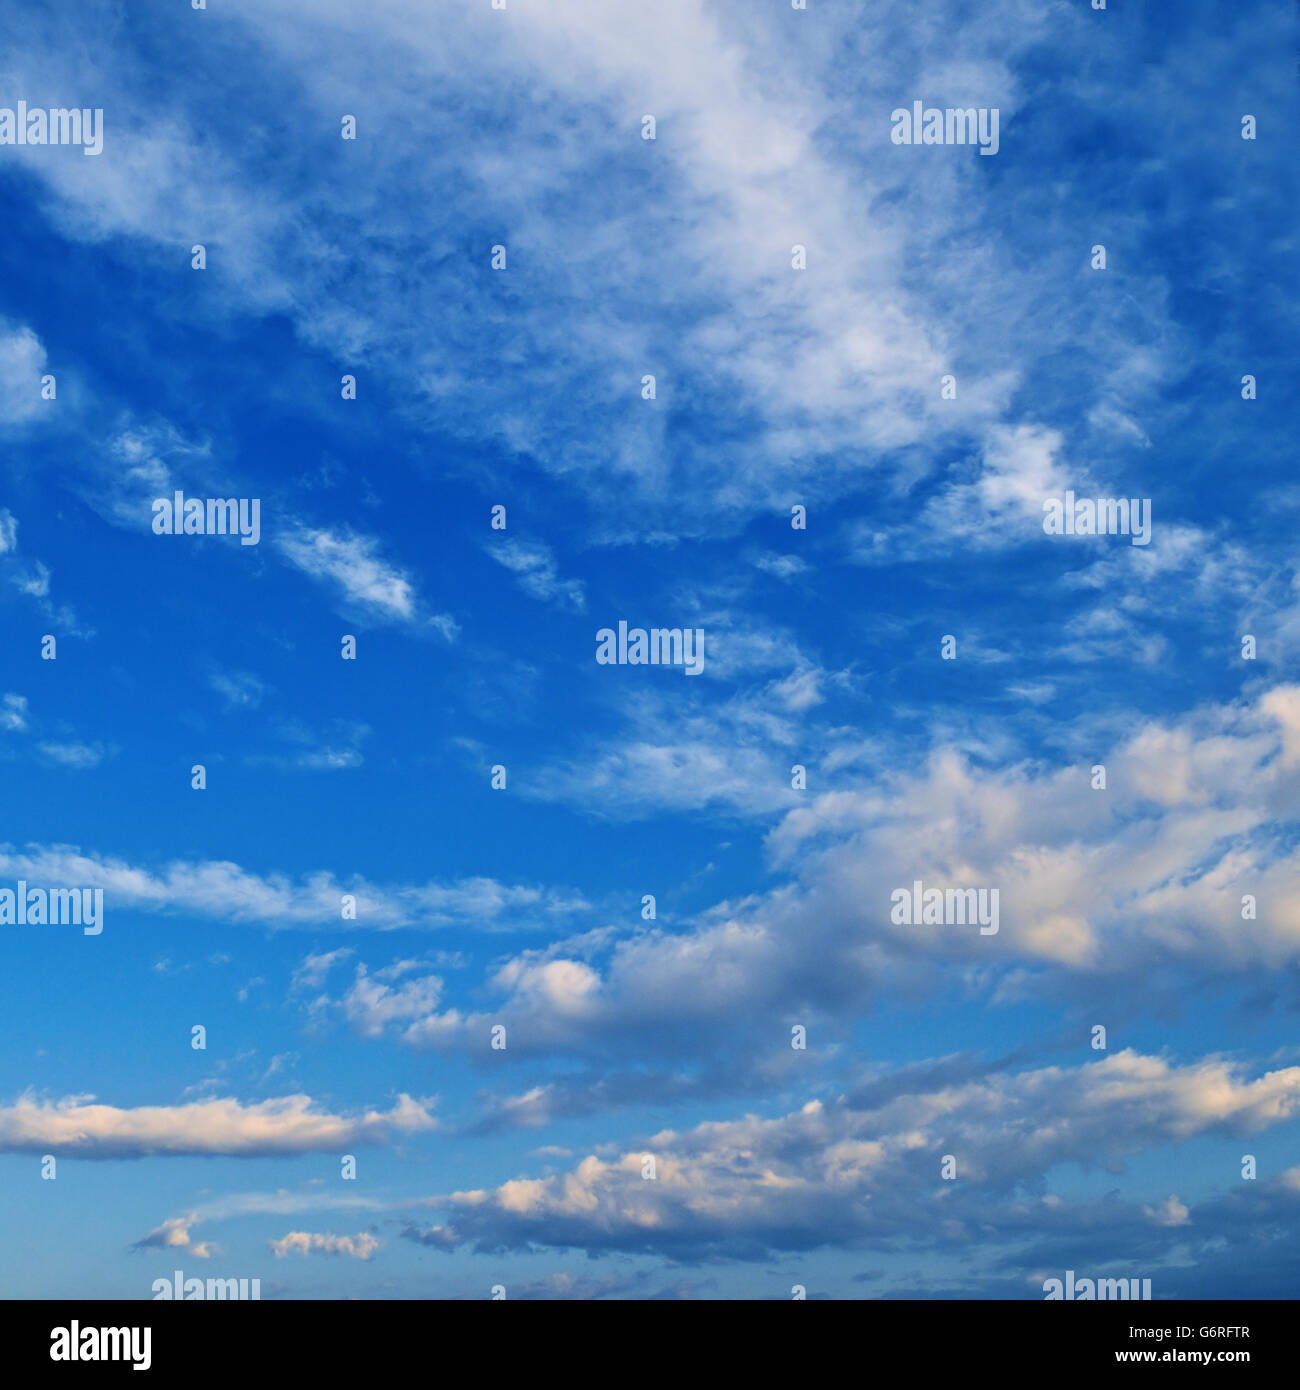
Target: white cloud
{"x":225,"y":891}
{"x":360,"y":1247}
{"x":370,"y":1005}
{"x":782,"y":566}
{"x":22,"y":363}
{"x":857,"y":1173}
{"x":13,"y":712}
{"x":363,"y":579}
{"x":240,"y":689}
{"x":311,"y":973}
{"x":35,"y":583}
{"x":534,"y":566}
{"x":1147,"y":875}
{"x":79,"y":1127}
{"x":1170,"y":1212}
{"x":78,"y":755}
{"x":175,"y":1235}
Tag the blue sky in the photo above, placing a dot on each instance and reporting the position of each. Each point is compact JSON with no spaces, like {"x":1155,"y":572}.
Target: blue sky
{"x":521,"y":907}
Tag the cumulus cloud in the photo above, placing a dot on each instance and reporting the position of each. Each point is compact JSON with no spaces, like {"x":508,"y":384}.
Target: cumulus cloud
{"x":1153,"y":870}
{"x":868,"y":1175}
{"x":1170,"y":1212}
{"x":370,"y":1005}
{"x":773,"y":386}
{"x":360,"y":1247}
{"x":175,"y":1235}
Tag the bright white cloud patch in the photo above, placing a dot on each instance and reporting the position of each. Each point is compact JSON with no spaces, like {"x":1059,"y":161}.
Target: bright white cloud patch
{"x":360,"y":1247}
{"x":77,"y":1126}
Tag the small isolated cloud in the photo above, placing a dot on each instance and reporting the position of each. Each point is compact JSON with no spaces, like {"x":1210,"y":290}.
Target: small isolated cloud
{"x":34,"y":582}
{"x":282,"y":1061}
{"x":13,"y":713}
{"x":328,"y":759}
{"x":77,"y":755}
{"x":370,"y":1006}
{"x":175,"y":1235}
{"x":360,"y":1247}
{"x":1170,"y":1212}
{"x":365,"y":581}
{"x":239,"y":689}
{"x":782,"y":566}
{"x":534,"y":566}
{"x":31,"y":577}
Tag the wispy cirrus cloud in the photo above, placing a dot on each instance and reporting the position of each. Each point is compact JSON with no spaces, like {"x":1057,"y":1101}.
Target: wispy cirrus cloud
{"x":362,"y":579}
{"x":23,"y":361}
{"x":534,"y":566}
{"x":13,"y":712}
{"x":74,"y":755}
{"x":225,"y":891}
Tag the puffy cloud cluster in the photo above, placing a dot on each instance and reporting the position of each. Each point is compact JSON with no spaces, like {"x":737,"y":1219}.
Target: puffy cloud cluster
{"x":360,"y":1247}
{"x":867,"y":1173}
